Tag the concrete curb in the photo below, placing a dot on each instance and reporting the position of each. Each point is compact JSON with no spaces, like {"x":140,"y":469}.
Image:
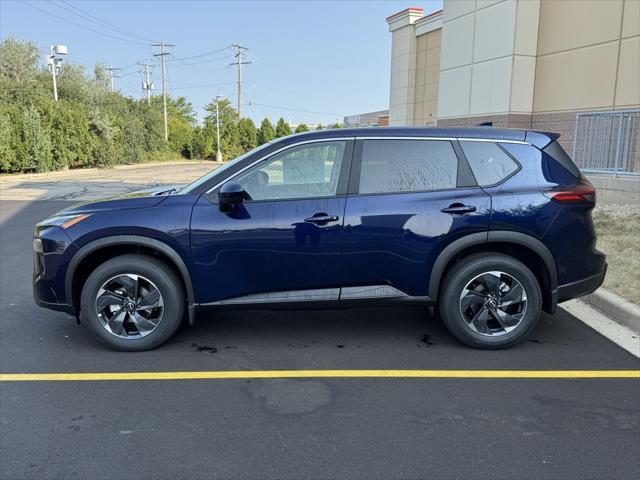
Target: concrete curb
{"x":615,"y":307}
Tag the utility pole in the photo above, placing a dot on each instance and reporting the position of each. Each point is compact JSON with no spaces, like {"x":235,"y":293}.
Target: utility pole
{"x":218,"y":152}
{"x":147,"y":86}
{"x":162,"y":54}
{"x":111,"y":75}
{"x":239,"y":63}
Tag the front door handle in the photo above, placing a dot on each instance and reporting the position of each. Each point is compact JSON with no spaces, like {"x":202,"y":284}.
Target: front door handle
{"x":458,"y":209}
{"x":322,"y":218}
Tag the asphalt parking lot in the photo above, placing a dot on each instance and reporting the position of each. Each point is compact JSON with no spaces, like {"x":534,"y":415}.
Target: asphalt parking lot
{"x":303,"y":427}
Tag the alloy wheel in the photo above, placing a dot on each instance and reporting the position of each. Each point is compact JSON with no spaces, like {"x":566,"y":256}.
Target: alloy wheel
{"x":493,"y":303}
{"x":129,"y":306}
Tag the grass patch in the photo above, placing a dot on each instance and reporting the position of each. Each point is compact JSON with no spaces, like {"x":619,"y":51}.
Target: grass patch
{"x":618,"y":229}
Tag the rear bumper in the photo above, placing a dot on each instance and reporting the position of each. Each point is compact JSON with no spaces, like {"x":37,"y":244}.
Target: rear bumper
{"x":581,"y":287}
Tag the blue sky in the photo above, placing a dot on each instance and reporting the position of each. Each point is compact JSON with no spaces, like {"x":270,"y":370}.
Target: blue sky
{"x":329,"y":57}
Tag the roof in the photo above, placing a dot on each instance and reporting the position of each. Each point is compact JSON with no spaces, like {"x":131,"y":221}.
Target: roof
{"x":539,"y":139}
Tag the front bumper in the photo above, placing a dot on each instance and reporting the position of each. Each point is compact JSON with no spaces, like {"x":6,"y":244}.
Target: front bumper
{"x":52,"y":251}
{"x":582,"y":287}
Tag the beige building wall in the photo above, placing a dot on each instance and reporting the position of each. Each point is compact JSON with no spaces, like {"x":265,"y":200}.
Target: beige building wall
{"x":403,"y":66}
{"x":488,"y":59}
{"x":415,"y":67}
{"x":588,"y":59}
{"x":517,"y":63}
{"x":425,"y":108}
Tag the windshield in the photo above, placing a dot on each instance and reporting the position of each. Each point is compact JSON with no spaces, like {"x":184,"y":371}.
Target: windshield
{"x":214,"y":173}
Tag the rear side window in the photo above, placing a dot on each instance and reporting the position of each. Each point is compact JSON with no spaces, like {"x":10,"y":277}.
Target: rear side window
{"x":407,"y":166}
{"x":555,"y":151}
{"x":489,"y":163}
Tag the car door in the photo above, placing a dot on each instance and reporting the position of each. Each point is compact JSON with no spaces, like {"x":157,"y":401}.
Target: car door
{"x":283,"y":243}
{"x":408,"y":199}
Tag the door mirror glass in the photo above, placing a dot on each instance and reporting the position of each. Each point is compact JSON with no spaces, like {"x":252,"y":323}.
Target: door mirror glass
{"x":229,"y":195}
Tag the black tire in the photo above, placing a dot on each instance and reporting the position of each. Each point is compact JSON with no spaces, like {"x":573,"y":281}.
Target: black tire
{"x":160,"y":275}
{"x":465,"y":271}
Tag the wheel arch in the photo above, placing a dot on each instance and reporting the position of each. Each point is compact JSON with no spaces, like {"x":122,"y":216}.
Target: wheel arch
{"x":120,"y":244}
{"x":531,"y":251}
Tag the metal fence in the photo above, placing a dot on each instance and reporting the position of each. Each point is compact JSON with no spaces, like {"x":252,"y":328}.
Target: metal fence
{"x":608,"y":142}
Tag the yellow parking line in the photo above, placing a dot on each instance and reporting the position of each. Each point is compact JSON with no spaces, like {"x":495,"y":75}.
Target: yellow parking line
{"x":249,"y":374}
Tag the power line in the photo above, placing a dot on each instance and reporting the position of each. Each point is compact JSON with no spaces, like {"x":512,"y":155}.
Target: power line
{"x":78,"y":25}
{"x":98,"y":21}
{"x":174,"y":62}
{"x":292,"y":109}
{"x":186,"y":87}
{"x":212,"y":52}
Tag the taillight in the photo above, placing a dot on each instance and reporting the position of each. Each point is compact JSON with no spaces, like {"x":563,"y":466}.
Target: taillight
{"x":583,"y":192}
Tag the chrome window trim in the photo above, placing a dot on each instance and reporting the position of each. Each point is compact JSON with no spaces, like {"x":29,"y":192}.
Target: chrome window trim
{"x":334,"y":139}
{"x":448,"y":139}
{"x":494,"y":140}
{"x":266,"y":157}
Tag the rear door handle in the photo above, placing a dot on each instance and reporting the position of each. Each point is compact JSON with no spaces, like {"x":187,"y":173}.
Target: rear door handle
{"x":321,"y":218}
{"x":458,"y":209}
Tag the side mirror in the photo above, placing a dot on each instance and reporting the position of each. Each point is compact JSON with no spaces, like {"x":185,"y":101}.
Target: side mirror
{"x":230,"y":195}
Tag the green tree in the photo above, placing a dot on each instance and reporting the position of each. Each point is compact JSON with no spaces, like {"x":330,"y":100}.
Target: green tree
{"x":319,"y":127}
{"x":12,"y":152}
{"x":228,"y":114}
{"x":230,"y":141}
{"x":71,"y":141}
{"x":101,"y":77}
{"x":266,"y":133}
{"x":203,"y":141}
{"x":336,"y":125}
{"x":38,"y":141}
{"x":18,"y":60}
{"x":248,"y":134}
{"x":282,"y":128}
{"x":302,"y":128}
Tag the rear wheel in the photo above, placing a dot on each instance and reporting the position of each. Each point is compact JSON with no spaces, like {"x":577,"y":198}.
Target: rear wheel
{"x":132,"y":303}
{"x":490,"y":301}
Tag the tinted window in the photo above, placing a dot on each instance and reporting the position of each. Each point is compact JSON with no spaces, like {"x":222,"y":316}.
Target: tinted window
{"x":555,"y":151}
{"x":300,"y":172}
{"x":489,"y":163}
{"x":407,"y":166}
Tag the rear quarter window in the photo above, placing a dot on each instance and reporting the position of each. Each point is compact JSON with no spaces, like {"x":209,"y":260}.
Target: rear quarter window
{"x":489,"y":163}
{"x":555,"y":151}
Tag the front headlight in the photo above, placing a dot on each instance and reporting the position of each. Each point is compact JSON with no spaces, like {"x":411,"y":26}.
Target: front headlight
{"x":64,"y":221}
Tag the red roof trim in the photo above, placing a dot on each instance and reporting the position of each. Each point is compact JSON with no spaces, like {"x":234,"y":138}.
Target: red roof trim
{"x":431,"y":15}
{"x":406,"y":10}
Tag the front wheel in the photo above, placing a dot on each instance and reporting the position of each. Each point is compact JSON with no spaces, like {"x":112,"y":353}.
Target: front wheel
{"x":132,"y":303}
{"x":490,"y":301}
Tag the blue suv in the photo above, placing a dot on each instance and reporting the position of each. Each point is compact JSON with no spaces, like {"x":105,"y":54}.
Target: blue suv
{"x":491,"y":226}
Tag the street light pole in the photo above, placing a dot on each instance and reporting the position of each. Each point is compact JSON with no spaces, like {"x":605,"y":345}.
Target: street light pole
{"x":53,"y":67}
{"x":218,"y":152}
{"x":53,"y":62}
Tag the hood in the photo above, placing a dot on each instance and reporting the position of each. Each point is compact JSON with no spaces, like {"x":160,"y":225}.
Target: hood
{"x":138,"y":199}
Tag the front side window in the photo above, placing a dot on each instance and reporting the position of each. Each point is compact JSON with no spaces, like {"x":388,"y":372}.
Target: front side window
{"x":489,"y":163}
{"x":305,"y":171}
{"x":407,"y":166}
